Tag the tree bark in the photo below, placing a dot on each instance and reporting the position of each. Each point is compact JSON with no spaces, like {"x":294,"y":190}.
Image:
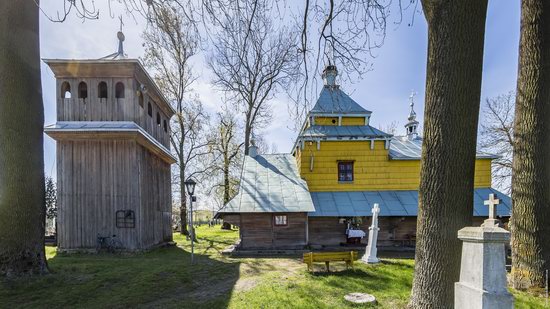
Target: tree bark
{"x":247,"y":133}
{"x":22,"y":200}
{"x":530,"y":221}
{"x":183,"y":203}
{"x":453,"y":88}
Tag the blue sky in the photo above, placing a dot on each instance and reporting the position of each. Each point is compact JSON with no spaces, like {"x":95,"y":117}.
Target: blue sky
{"x":399,"y":66}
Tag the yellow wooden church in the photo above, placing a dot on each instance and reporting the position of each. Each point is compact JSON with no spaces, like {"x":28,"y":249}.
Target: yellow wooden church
{"x":322,"y":193}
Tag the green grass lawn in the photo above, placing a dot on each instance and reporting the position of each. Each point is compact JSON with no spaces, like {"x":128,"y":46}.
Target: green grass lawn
{"x":165,"y":278}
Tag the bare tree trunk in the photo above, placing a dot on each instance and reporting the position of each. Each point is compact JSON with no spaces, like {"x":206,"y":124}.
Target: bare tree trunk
{"x":22,"y":199}
{"x":247,"y":132}
{"x":183,"y":204}
{"x":531,"y":164}
{"x":453,"y":88}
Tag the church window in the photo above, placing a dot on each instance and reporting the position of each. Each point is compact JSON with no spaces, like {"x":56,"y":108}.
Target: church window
{"x":102,"y":90}
{"x":82,"y":90}
{"x":158,"y":119}
{"x":65,"y":90}
{"x":281,"y":220}
{"x":119,"y":90}
{"x":345,"y":171}
{"x":149,"y":109}
{"x":165,"y":126}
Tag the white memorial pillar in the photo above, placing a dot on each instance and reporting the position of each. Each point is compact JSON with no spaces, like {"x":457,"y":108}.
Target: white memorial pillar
{"x":371,"y":251}
{"x":483,"y":282}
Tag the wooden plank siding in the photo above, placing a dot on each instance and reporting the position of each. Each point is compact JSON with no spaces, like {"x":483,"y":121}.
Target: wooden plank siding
{"x":94,"y":108}
{"x":373,"y":170}
{"x":259,"y":232}
{"x":394,"y":231}
{"x":98,"y":177}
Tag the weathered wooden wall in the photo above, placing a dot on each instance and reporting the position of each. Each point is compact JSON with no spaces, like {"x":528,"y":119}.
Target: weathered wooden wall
{"x":156,"y":199}
{"x":111,"y":108}
{"x":394,"y":231}
{"x":258,"y":231}
{"x":97,"y":178}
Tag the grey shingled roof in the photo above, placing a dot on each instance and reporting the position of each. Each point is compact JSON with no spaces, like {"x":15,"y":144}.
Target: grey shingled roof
{"x":270,"y":183}
{"x":402,"y":148}
{"x":334,"y":100}
{"x":344,"y":131}
{"x":106,"y":126}
{"x":392,"y":203}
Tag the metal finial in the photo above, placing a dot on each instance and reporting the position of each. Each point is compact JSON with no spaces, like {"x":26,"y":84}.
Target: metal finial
{"x":120,"y":53}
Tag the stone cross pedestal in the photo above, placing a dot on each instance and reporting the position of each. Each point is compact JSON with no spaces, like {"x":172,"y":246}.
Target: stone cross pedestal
{"x":370,"y":254}
{"x":483,"y":282}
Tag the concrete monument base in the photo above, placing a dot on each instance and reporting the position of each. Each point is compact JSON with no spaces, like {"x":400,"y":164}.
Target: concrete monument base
{"x":483,"y":282}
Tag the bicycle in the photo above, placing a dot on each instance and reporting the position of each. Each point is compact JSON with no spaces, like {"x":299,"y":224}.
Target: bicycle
{"x":110,"y":243}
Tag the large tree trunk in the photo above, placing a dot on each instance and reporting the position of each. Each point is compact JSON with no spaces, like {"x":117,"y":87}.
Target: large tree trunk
{"x":453,"y":86}
{"x":22,"y":200}
{"x":531,"y":165}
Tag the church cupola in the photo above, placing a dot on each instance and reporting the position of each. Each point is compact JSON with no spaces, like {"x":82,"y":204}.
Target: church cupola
{"x":412,"y":124}
{"x":329,"y":75}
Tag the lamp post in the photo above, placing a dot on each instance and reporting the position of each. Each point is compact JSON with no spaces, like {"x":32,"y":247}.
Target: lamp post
{"x":190,"y":186}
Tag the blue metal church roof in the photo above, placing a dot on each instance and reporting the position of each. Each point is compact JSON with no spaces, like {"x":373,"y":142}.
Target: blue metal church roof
{"x":335,"y":101}
{"x":392,"y":203}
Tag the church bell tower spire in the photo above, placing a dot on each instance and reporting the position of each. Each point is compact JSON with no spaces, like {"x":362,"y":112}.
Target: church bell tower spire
{"x":412,"y":124}
{"x":329,"y":75}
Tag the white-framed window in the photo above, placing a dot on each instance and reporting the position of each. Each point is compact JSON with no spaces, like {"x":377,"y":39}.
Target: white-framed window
{"x":281,"y":220}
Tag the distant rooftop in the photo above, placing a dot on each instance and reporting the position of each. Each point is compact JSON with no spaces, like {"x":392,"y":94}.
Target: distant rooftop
{"x":270,"y":183}
{"x":404,"y":148}
{"x":367,"y":131}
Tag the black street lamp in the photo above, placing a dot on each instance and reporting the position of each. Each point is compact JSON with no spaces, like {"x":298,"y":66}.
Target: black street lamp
{"x":190,"y":184}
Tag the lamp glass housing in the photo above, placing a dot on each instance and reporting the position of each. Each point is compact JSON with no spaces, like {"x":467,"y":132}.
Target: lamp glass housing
{"x":190,"y":186}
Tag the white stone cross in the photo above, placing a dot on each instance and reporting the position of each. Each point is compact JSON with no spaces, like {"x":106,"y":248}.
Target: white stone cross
{"x":492,"y":202}
{"x":371,"y":250}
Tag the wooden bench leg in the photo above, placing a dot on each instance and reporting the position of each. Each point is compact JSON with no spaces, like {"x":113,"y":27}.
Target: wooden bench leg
{"x":327,"y":264}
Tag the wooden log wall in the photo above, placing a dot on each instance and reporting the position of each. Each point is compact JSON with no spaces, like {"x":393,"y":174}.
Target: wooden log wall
{"x":259,"y":232}
{"x":394,"y":231}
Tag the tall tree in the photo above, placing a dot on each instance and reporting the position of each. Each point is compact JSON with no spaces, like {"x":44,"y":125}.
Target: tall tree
{"x":497,"y":136}
{"x":22,"y":211}
{"x":227,"y":153}
{"x":531,"y":164}
{"x":169,"y":45}
{"x":453,"y":87}
{"x":252,"y":61}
